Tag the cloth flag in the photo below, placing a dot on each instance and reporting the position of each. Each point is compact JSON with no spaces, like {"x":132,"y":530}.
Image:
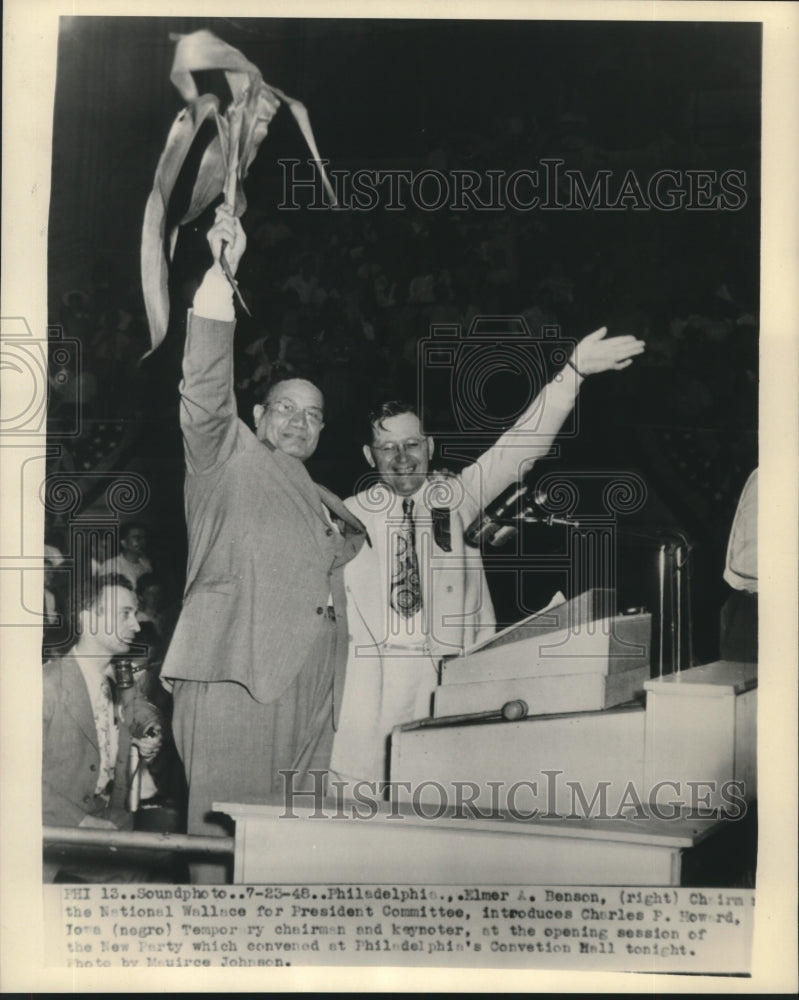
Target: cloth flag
{"x":254,"y":103}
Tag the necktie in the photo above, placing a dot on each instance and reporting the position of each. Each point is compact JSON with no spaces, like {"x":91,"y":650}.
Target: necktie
{"x":406,"y":590}
{"x":104,"y":721}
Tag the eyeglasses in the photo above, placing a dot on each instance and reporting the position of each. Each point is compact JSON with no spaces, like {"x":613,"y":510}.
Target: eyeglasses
{"x":286,"y":408}
{"x":392,"y":448}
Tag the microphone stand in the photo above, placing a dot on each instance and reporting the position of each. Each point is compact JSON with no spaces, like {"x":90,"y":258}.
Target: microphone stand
{"x":675,"y":549}
{"x":508,"y":525}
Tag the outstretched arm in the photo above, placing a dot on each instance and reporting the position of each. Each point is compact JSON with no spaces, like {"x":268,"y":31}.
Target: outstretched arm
{"x":532,"y":436}
{"x":208,"y":405}
{"x":214,"y":298}
{"x":597,"y":353}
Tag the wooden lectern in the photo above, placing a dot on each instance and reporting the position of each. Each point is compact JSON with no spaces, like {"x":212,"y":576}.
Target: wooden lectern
{"x":578,"y":656}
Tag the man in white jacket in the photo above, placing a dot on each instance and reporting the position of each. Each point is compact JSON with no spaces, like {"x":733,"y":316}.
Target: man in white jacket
{"x":417,"y":592}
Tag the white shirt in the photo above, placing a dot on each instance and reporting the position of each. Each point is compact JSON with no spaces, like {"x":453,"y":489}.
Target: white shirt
{"x":104,"y":719}
{"x":120,"y":564}
{"x":740,"y":570}
{"x":50,"y":610}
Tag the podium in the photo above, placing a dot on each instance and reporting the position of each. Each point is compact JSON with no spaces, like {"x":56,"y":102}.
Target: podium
{"x":701,"y":726}
{"x":613,"y":795}
{"x":578,"y":656}
{"x":404,"y":847}
{"x":622,"y":796}
{"x":691,"y":745}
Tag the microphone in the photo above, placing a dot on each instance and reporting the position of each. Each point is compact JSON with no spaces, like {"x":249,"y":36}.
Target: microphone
{"x":518,"y":504}
{"x":492,"y":525}
{"x":134,"y":792}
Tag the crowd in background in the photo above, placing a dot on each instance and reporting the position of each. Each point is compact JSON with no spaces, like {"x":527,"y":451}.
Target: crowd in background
{"x":344,"y":298}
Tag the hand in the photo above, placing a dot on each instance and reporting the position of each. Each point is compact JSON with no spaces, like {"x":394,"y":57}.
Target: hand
{"x":148,"y":746}
{"x":95,"y":823}
{"x":227,"y":229}
{"x":595,"y":354}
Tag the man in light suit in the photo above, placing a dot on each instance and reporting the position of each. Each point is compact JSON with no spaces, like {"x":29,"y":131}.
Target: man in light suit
{"x":257,"y":657}
{"x":418,"y":592}
{"x":86,"y":738}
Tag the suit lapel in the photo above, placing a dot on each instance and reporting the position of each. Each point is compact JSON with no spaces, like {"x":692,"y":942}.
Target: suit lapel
{"x":352,"y":526}
{"x":76,"y":699}
{"x":332,"y":502}
{"x":315,"y":498}
{"x":303,"y":494}
{"x":369,"y":593}
{"x":353,"y":532}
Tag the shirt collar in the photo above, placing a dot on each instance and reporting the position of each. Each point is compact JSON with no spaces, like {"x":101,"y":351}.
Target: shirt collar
{"x":417,"y":497}
{"x":93,"y":676}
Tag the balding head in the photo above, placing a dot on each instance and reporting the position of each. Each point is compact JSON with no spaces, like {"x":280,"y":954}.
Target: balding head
{"x":291,"y":418}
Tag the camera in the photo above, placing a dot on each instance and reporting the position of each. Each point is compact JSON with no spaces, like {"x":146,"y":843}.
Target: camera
{"x":479,"y":382}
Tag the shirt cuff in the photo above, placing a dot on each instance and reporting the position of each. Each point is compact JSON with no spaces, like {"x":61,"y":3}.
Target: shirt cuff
{"x":214,"y":298}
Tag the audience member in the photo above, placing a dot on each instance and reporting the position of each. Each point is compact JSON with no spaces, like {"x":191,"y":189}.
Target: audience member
{"x":132,"y":561}
{"x":86,"y":732}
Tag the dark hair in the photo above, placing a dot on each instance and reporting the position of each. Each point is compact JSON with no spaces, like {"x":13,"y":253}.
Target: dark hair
{"x":126,"y":529}
{"x":97,"y":584}
{"x":148,"y":580}
{"x":391,"y":408}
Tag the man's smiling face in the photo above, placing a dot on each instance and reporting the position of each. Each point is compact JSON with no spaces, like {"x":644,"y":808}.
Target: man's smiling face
{"x":292,"y":418}
{"x":400,"y":453}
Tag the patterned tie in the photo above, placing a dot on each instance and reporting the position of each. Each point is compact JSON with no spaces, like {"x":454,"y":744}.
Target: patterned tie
{"x":104,"y":721}
{"x":406,"y":590}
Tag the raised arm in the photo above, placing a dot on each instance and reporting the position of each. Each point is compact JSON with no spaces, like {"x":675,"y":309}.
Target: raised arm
{"x":533,"y":434}
{"x":208,"y":405}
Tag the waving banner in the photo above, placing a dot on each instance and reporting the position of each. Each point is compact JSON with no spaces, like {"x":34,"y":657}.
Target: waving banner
{"x":225,"y":161}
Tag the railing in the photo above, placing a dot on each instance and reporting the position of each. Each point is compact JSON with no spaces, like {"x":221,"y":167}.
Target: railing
{"x":63,"y":836}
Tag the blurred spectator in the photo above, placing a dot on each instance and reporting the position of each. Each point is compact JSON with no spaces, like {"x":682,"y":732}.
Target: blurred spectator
{"x":152,"y":603}
{"x":132,"y":561}
{"x":56,"y":630}
{"x":739,"y":618}
{"x":51,"y":598}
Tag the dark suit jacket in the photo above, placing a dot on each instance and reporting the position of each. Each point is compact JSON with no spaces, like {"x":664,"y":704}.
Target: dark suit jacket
{"x":263,"y":557}
{"x":70,"y":755}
